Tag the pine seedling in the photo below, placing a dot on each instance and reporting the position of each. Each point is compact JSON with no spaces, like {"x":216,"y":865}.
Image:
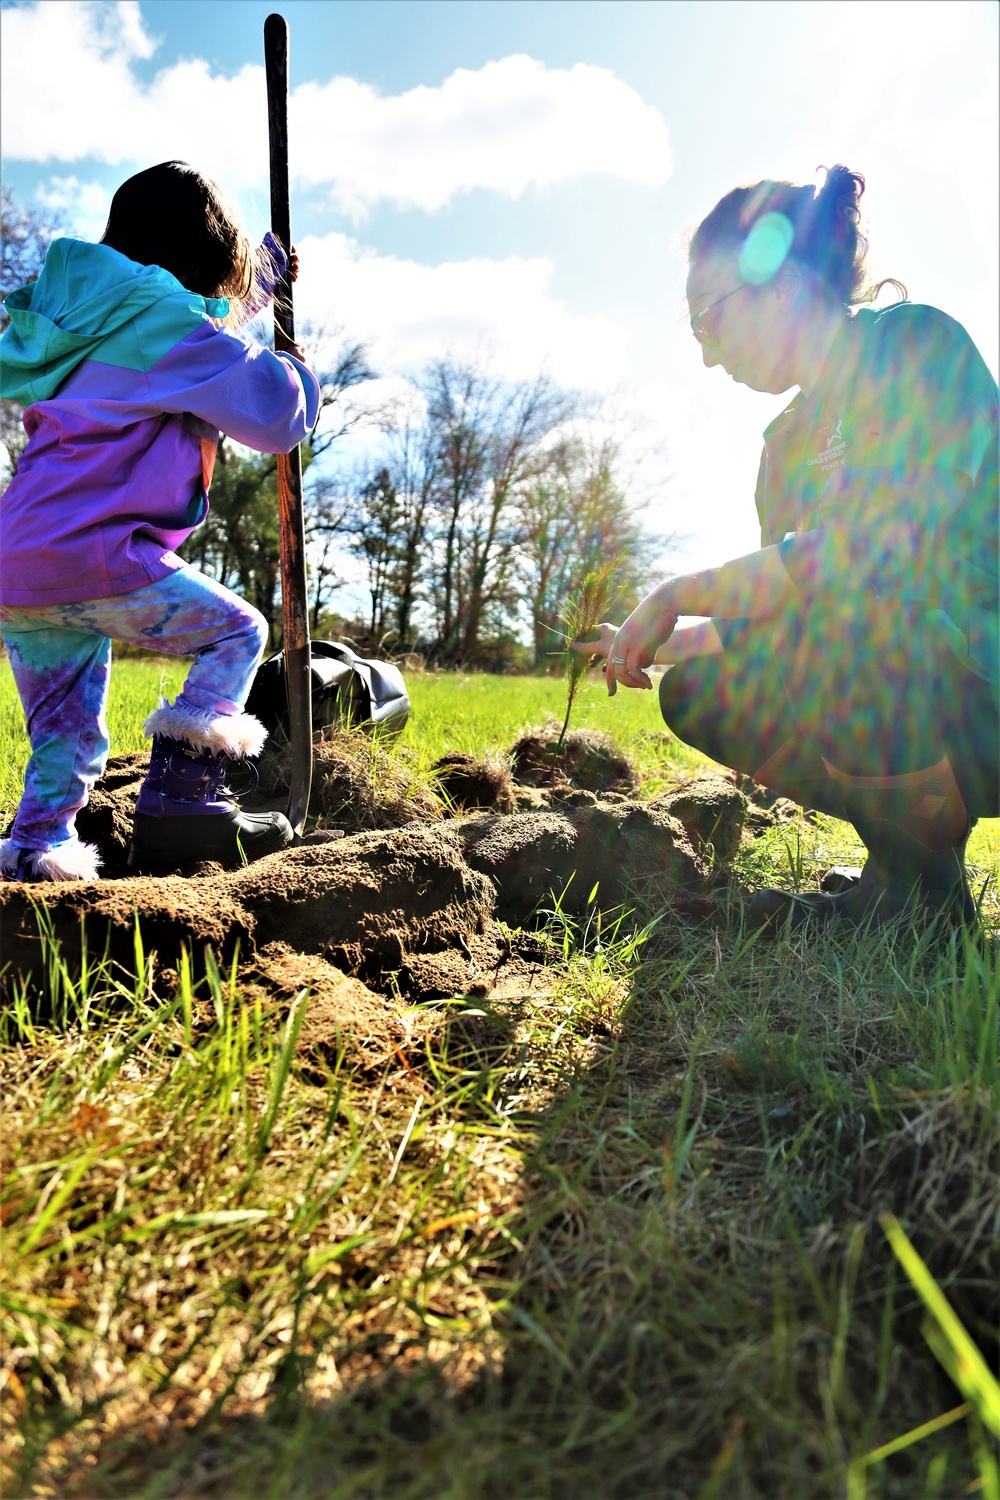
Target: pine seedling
{"x":582,"y":615}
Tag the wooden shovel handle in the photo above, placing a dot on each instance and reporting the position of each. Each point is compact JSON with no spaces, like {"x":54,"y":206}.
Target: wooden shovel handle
{"x":291,"y":517}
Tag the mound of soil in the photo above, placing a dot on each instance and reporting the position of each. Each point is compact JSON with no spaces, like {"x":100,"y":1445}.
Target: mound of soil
{"x":341,"y":1012}
{"x":587,"y":760}
{"x":615,"y":846}
{"x":712,"y":810}
{"x":377,"y":905}
{"x":472,"y":784}
{"x":364,"y":903}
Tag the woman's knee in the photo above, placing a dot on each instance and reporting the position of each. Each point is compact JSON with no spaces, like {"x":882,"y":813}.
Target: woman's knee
{"x":676,"y":699}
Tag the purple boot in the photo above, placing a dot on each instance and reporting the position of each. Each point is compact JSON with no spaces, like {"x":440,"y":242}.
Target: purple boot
{"x":185,"y":812}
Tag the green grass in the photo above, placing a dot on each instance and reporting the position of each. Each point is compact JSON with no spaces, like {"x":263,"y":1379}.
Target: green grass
{"x":623,"y":1240}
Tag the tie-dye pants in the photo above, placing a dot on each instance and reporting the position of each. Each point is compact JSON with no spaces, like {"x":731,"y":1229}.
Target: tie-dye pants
{"x":60,"y":656}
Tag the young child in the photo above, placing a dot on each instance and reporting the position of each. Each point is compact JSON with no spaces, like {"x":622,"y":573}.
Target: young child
{"x":127,"y":361}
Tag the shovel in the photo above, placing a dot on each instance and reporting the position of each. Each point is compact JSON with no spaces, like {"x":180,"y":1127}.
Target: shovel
{"x":291,"y":521}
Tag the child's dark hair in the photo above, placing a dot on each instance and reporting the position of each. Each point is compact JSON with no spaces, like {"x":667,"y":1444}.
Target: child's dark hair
{"x":172,"y":216}
{"x":826,"y":222}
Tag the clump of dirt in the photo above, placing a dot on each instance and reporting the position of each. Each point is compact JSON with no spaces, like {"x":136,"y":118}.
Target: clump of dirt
{"x":712,"y":810}
{"x":618,"y":847}
{"x":366,"y":901}
{"x":341,"y":1012}
{"x":586,"y":760}
{"x":356,"y":786}
{"x":470,"y":784}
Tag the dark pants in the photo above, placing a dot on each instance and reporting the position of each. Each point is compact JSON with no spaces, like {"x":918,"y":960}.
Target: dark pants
{"x":876,"y":694}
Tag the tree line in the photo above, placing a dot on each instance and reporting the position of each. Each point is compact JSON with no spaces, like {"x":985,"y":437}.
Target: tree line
{"x":465,"y":529}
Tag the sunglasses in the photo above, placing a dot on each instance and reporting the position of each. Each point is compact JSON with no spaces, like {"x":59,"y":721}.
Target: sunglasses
{"x":698,"y":325}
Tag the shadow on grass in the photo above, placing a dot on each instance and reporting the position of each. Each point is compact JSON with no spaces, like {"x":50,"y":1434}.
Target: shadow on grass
{"x":682,"y":1290}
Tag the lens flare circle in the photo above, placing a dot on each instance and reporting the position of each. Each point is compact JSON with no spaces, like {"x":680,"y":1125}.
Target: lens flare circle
{"x":766,"y":248}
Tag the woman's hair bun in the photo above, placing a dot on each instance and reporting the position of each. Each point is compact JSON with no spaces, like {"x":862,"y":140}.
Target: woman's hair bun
{"x":825,"y":223}
{"x":842,"y":187}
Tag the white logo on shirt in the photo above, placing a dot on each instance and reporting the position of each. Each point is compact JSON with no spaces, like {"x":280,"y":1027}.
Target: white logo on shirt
{"x":832,"y":456}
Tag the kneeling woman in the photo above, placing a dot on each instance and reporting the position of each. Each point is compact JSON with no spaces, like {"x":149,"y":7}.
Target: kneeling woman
{"x":851,"y":663}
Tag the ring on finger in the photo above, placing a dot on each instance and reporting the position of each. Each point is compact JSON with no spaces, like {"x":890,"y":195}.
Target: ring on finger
{"x":619,"y":661}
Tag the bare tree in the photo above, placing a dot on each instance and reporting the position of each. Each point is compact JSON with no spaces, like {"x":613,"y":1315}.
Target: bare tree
{"x":485,"y":437}
{"x":374,"y":540}
{"x":413,"y":469}
{"x":576,"y":514}
{"x":327,"y":523}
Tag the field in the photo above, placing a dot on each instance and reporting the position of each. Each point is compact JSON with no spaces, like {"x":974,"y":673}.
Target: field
{"x":624,"y":1236}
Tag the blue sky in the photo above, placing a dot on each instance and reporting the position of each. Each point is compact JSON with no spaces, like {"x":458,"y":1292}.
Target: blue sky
{"x":515,"y":179}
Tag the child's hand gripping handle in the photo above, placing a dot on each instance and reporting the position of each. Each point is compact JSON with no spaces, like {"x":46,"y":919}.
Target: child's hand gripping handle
{"x":291,"y":520}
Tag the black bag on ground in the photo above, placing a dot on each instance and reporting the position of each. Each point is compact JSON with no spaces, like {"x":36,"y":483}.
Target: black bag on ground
{"x":346,"y":689}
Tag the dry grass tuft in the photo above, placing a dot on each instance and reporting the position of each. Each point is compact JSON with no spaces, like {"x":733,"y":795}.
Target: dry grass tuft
{"x":360,"y":782}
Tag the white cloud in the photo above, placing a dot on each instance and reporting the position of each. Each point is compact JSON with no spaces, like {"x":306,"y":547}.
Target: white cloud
{"x":70,"y":92}
{"x":504,"y":309}
{"x":84,"y":205}
{"x":509,"y":125}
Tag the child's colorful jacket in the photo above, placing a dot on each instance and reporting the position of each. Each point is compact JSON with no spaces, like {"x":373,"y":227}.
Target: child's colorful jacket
{"x":126,"y":381}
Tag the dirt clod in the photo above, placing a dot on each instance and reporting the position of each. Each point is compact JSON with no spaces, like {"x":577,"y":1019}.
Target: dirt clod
{"x":341,"y":1012}
{"x":367,"y":901}
{"x":567,"y":852}
{"x":712,"y":810}
{"x":766,"y":808}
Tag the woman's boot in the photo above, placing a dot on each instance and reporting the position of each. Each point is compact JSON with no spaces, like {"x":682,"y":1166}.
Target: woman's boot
{"x":185,"y":812}
{"x":916,"y":827}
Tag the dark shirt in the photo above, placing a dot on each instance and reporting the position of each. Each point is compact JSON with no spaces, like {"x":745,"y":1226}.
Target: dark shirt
{"x":886,"y":473}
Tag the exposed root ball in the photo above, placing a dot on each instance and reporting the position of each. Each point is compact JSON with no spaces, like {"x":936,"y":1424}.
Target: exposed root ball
{"x":586,"y":759}
{"x":470,"y":784}
{"x":357,"y":785}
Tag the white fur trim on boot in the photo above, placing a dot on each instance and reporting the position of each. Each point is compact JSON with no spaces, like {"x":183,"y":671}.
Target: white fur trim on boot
{"x":237,"y":735}
{"x":72,"y":860}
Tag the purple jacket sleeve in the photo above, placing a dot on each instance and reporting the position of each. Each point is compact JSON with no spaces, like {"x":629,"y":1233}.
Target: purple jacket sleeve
{"x":267,"y":401}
